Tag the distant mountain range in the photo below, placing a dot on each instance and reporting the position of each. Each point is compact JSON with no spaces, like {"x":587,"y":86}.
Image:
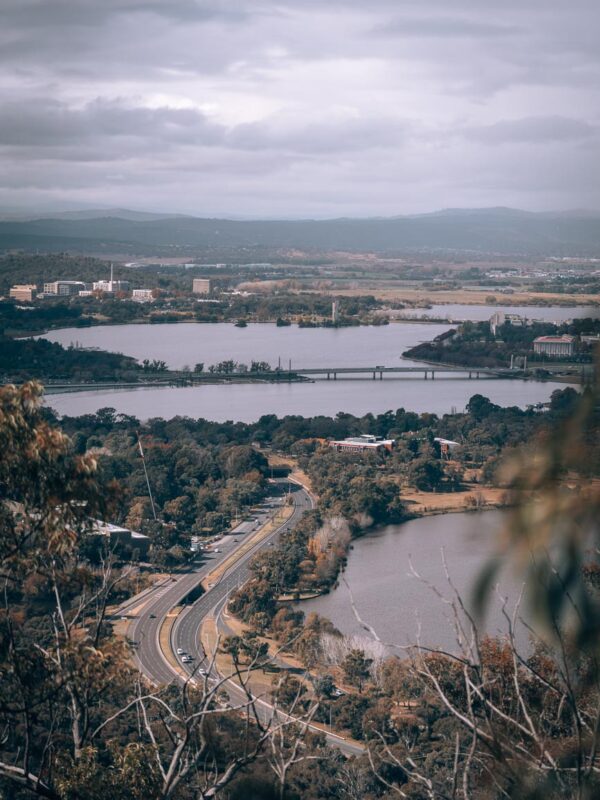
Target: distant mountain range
{"x":501,"y":231}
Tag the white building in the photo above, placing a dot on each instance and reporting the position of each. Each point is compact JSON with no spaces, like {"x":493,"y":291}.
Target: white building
{"x":554,"y":345}
{"x":142,"y":295}
{"x":111,"y":286}
{"x":358,"y":444}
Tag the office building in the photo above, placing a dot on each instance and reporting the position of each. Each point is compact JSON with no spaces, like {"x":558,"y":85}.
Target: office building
{"x":64,"y":288}
{"x":201,"y":286}
{"x":111,"y":286}
{"x":142,"y":295}
{"x":25,"y":292}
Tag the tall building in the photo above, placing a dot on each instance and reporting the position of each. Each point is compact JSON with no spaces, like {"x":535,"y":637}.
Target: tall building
{"x":335,"y":312}
{"x":201,"y":286}
{"x":25,"y":292}
{"x":64,"y":288}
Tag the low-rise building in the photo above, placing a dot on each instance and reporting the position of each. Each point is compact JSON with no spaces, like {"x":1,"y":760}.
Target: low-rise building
{"x":446,"y":445}
{"x":142,"y":295}
{"x":499,"y":318}
{"x":554,"y":345}
{"x":64,"y":288}
{"x":25,"y":292}
{"x":201,"y":286}
{"x":359,"y":444}
{"x":590,"y":339}
{"x":110,"y":287}
{"x":122,"y":539}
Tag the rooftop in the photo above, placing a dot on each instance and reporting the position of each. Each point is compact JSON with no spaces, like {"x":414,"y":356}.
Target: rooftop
{"x":564,"y":338}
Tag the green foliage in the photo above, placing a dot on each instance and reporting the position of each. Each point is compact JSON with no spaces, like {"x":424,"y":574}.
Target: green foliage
{"x":356,"y":667}
{"x":475,"y":345}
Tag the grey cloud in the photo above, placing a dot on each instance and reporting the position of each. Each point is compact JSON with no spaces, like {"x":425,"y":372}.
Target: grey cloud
{"x":444,"y":27}
{"x":320,"y":137}
{"x":533,"y":130}
{"x":43,"y":125}
{"x":102,"y":130}
{"x":304,"y":108}
{"x":89,"y":13}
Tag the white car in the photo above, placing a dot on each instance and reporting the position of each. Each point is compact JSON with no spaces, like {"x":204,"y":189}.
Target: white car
{"x":180,"y":651}
{"x":186,"y":659}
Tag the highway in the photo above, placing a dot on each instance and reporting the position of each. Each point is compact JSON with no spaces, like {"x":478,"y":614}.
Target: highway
{"x":148,"y":612}
{"x":186,"y":630}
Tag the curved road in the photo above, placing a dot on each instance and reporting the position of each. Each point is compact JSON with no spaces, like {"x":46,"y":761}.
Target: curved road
{"x":185,"y":634}
{"x":186,"y":630}
{"x":147,"y":615}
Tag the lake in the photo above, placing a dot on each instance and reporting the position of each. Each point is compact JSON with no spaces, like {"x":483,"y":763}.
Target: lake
{"x":188,"y":343}
{"x":460,"y":311}
{"x":389,"y":597}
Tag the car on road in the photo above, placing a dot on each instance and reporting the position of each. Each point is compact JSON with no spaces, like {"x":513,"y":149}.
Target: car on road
{"x":186,"y":659}
{"x":216,"y":550}
{"x":152,"y":616}
{"x":180,"y":651}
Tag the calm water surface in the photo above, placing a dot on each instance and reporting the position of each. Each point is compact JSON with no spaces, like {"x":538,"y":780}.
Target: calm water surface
{"x":397,"y":603}
{"x":189,"y":343}
{"x":458,"y":311}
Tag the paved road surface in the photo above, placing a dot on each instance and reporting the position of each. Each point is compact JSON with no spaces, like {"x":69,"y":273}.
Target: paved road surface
{"x":146,"y":623}
{"x":185,"y":634}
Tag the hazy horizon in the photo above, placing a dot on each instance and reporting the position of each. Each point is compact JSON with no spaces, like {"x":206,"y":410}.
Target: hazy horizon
{"x":16,"y":213}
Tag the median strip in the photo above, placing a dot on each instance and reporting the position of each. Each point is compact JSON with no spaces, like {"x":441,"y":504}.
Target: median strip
{"x":280,"y":517}
{"x":164,"y":640}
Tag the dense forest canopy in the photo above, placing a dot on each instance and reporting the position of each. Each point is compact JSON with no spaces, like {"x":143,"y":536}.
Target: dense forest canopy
{"x":76,"y":723}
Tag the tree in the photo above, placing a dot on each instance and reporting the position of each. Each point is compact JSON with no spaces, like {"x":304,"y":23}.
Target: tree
{"x":427,"y":474}
{"x":324,"y":686}
{"x":524,"y":723}
{"x":76,"y":720}
{"x":357,"y":668}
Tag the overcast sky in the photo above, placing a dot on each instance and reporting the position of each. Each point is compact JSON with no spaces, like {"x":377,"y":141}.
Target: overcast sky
{"x":274,"y":108}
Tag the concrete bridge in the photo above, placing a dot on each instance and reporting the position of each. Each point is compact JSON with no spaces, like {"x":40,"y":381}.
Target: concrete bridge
{"x":372,"y":373}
